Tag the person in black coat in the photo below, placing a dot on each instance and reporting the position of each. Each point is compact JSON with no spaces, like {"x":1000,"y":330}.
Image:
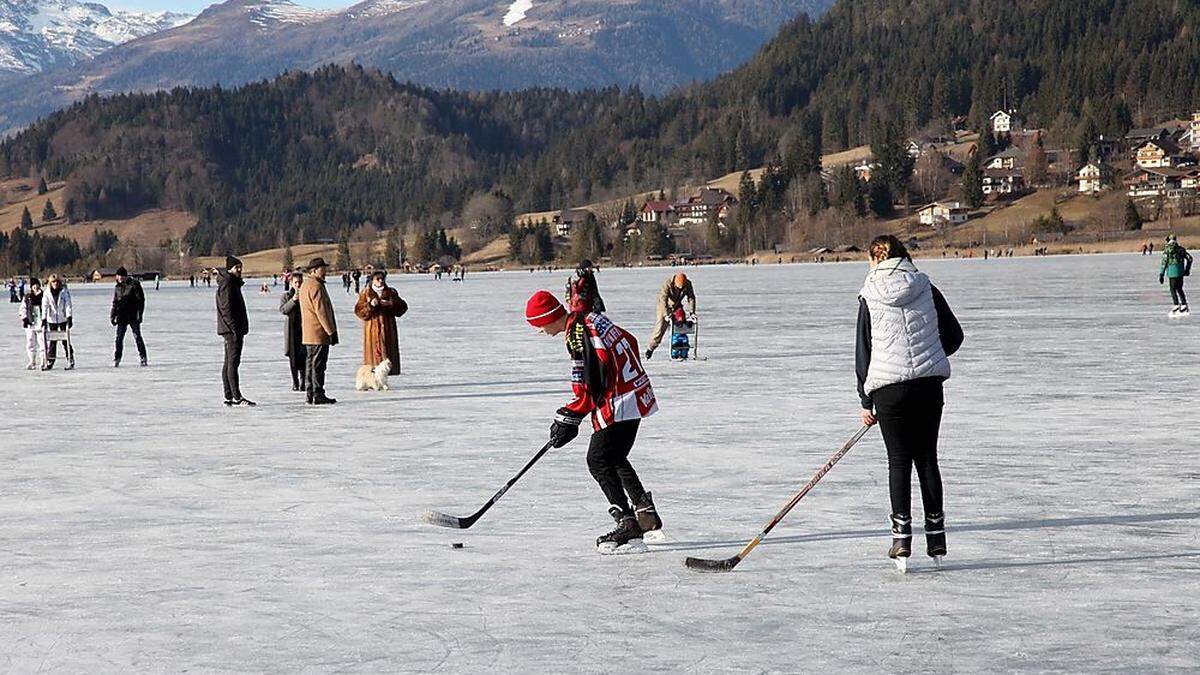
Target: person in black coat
{"x":233,"y":325}
{"x":128,"y":306}
{"x":293,"y":334}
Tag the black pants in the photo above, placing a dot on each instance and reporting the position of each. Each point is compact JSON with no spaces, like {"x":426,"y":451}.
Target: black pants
{"x":314,"y":375}
{"x":233,"y":361}
{"x":298,"y":361}
{"x":52,"y":345}
{"x":910,"y":415}
{"x":136,"y":328}
{"x":608,"y":461}
{"x":1177,"y":296}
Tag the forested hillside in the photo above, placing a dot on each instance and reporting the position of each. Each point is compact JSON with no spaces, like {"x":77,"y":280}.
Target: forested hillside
{"x":309,"y":155}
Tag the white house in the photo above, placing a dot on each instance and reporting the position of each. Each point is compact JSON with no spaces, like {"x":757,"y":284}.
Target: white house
{"x":1157,"y":153}
{"x":938,"y":213}
{"x":1005,"y":122}
{"x":1011,"y":158}
{"x":1094,"y":178}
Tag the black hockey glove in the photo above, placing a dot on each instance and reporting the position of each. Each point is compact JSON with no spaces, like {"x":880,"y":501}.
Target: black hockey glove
{"x":565,"y":427}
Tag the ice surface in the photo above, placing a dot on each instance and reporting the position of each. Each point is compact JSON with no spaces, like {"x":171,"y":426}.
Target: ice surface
{"x":517,"y":11}
{"x":143,"y":526}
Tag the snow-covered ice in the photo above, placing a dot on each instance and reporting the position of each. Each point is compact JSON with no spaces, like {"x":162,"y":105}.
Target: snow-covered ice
{"x":517,"y":11}
{"x":143,"y":526}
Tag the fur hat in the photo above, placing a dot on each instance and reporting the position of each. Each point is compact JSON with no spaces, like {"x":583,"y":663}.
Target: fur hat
{"x":543,"y":309}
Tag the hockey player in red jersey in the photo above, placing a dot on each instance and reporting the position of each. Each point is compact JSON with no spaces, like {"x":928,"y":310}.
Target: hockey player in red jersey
{"x":608,"y":383}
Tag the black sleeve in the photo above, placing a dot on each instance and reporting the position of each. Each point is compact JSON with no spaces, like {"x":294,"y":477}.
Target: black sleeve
{"x":112,"y":314}
{"x":141,"y":302}
{"x":862,"y":353}
{"x":948,"y":327}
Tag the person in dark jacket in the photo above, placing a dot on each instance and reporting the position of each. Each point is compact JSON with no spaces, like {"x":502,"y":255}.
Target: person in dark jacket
{"x":233,"y":325}
{"x":906,"y":334}
{"x":128,"y":306}
{"x":293,"y":333}
{"x":583,"y":293}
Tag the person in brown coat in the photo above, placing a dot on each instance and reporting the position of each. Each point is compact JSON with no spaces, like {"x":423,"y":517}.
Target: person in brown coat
{"x":319,"y":330}
{"x":379,"y":306}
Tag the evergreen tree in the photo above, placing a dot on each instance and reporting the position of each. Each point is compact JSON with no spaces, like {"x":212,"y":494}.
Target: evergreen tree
{"x":42,"y":188}
{"x":1133,"y":219}
{"x":26,"y":219}
{"x":343,"y":260}
{"x":879,"y":196}
{"x":289,"y":262}
{"x":394,"y":242}
{"x":48,"y":212}
{"x":972,"y":182}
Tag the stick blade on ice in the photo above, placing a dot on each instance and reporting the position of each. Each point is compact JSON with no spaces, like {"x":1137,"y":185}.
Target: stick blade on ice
{"x":443,"y":520}
{"x":705,"y":565}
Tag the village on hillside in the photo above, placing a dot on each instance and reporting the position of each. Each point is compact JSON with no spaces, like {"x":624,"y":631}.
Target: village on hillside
{"x":1156,"y":168}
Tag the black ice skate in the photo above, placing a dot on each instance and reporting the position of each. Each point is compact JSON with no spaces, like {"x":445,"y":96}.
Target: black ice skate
{"x":648,"y":520}
{"x":625,"y":539}
{"x":935,"y":536}
{"x":901,"y":541}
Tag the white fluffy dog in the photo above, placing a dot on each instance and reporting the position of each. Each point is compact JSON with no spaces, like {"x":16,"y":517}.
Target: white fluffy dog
{"x":374,"y":378}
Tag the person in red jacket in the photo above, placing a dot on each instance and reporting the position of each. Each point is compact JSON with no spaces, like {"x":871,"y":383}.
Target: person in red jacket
{"x":609,"y":384}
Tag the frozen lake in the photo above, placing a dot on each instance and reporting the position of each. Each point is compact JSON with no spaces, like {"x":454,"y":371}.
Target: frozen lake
{"x":144,"y":526}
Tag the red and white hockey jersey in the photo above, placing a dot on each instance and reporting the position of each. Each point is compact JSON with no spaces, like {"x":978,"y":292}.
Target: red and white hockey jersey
{"x":607,"y":377}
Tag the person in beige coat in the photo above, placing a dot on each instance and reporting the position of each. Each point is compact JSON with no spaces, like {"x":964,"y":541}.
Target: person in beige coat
{"x":676,"y":293}
{"x":319,"y":330}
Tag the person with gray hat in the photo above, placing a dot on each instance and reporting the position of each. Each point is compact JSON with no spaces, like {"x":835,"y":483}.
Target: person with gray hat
{"x":128,"y":306}
{"x":233,"y":325}
{"x":319,"y":329}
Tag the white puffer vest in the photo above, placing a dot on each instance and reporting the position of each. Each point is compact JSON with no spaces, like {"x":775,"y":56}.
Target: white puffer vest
{"x":905,"y":343}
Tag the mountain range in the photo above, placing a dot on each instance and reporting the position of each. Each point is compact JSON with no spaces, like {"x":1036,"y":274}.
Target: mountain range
{"x":42,"y":35}
{"x":461,"y":44}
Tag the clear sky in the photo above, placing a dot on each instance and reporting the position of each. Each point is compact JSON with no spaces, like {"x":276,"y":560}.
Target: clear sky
{"x":195,"y":6}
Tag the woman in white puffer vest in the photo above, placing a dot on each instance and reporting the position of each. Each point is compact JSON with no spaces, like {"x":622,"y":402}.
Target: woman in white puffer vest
{"x":906,"y":331}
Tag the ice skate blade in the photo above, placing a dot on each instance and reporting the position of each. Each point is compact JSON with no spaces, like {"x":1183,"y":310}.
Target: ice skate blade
{"x":631,"y":547}
{"x":654,"y":537}
{"x":901,"y":565}
{"x":937,"y":561}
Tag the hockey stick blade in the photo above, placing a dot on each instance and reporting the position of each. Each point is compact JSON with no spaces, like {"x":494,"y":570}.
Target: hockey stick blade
{"x":705,"y":565}
{"x":443,"y":520}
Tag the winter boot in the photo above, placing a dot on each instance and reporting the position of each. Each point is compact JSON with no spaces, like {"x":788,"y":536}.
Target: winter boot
{"x":145,"y":362}
{"x":647,"y":518}
{"x":935,"y":535}
{"x":625,"y":539}
{"x":901,"y":541}
{"x":116,"y":363}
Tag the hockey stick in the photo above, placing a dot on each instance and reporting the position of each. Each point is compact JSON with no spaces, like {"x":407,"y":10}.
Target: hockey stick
{"x":443,"y":520}
{"x":726,"y":565}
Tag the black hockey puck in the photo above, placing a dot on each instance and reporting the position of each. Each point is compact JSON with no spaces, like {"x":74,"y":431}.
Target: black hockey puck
{"x":457,"y":544}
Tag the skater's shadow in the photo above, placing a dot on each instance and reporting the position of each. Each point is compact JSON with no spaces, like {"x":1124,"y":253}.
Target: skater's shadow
{"x":1004,"y":525}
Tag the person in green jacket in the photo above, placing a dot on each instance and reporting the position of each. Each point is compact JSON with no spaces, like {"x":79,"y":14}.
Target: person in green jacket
{"x":1176,"y":264}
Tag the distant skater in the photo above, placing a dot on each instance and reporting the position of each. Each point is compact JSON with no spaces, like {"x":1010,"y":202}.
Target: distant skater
{"x":58,"y":320}
{"x":1176,"y":264}
{"x":906,"y":332}
{"x":293,"y":332}
{"x":232,"y":325}
{"x":677,"y":293}
{"x":128,"y":306}
{"x":583,"y":293}
{"x":31,"y":321}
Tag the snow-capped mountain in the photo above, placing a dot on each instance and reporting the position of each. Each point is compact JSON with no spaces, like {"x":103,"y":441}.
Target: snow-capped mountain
{"x":463,"y":44}
{"x":41,"y":35}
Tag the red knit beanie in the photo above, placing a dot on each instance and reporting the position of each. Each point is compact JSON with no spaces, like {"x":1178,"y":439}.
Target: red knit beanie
{"x":543,"y":309}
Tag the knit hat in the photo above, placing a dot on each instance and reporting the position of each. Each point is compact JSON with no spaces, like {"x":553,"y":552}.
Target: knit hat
{"x":231,"y":262}
{"x":543,"y":309}
{"x":122,"y":272}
